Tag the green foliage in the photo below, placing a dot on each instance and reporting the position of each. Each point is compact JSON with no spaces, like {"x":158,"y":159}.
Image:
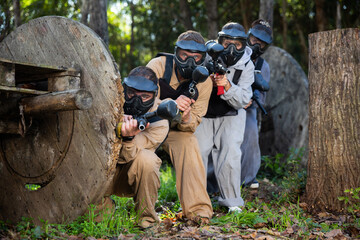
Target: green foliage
{"x":167,"y":191}
{"x":273,"y":216}
{"x":113,"y":222}
{"x":32,"y":187}
{"x":286,"y":172}
{"x":352,"y":200}
{"x":37,"y":8}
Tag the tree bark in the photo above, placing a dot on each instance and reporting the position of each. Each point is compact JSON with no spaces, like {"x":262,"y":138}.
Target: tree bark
{"x":84,"y":12}
{"x":132,"y":37}
{"x":185,"y":14}
{"x":338,"y":15}
{"x":98,"y":18}
{"x":17,"y":17}
{"x":5,"y":21}
{"x":266,"y":11}
{"x":334,"y":131}
{"x":302,"y":41}
{"x":320,"y":15}
{"x":284,"y":22}
{"x":244,"y":9}
{"x":212,"y":18}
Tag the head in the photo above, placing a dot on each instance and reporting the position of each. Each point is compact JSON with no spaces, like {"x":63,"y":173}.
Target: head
{"x":259,"y":37}
{"x":190,"y":52}
{"x":233,"y":38}
{"x":140,"y":89}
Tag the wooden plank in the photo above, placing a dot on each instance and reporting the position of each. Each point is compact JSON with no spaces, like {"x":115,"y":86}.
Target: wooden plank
{"x":7,"y":74}
{"x":22,"y":90}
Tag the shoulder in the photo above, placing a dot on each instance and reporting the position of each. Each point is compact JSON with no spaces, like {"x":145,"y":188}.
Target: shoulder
{"x":157,"y":65}
{"x":156,"y":61}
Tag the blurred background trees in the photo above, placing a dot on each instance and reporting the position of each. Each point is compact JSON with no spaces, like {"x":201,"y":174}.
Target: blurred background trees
{"x":136,"y":30}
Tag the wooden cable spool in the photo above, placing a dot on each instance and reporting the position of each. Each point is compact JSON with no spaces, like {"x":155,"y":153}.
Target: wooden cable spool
{"x":287,"y":103}
{"x":65,"y":142}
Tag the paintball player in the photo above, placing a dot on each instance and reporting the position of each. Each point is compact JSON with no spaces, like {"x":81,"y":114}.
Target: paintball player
{"x":221,"y":131}
{"x":138,"y":168}
{"x":175,"y":73}
{"x":259,"y":39}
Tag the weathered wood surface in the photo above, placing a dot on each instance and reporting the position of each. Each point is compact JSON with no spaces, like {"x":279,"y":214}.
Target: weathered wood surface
{"x":286,"y":126}
{"x":10,"y":127}
{"x":334,"y":128}
{"x":72,"y":155}
{"x":7,"y":74}
{"x":75,"y":99}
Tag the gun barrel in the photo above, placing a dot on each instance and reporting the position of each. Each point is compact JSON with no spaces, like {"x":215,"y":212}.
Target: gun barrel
{"x":260,"y":105}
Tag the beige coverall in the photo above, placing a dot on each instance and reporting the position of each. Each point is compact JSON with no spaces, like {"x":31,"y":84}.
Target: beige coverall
{"x":138,"y":170}
{"x":183,"y":148}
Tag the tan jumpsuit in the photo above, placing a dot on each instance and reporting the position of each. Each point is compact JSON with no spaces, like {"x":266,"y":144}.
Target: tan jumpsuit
{"x":138,"y":170}
{"x":183,"y":148}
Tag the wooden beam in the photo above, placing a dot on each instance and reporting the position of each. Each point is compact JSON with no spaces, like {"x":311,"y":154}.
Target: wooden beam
{"x":7,"y":74}
{"x":22,"y":90}
{"x":9,"y":127}
{"x":75,"y":99}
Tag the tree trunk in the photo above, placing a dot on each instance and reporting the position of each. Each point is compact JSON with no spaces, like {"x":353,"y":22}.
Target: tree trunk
{"x":98,"y":18}
{"x":84,"y":12}
{"x":338,"y":15}
{"x":212,"y":18}
{"x":320,"y":15}
{"x":185,"y":14}
{"x":132,"y":37}
{"x":5,"y":21}
{"x":266,"y":11}
{"x":244,"y":13}
{"x":17,"y":17}
{"x":334,"y":131}
{"x":302,"y":41}
{"x":284,"y":22}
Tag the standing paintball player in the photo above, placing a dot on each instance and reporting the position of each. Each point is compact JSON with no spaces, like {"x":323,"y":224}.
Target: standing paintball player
{"x":259,"y":39}
{"x":175,"y":72}
{"x":222,"y":129}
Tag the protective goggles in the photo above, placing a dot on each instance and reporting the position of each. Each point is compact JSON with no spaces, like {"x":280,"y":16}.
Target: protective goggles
{"x":186,"y":50}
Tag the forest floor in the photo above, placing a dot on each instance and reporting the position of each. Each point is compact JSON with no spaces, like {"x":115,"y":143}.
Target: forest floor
{"x":178,"y":228}
{"x":266,"y":215}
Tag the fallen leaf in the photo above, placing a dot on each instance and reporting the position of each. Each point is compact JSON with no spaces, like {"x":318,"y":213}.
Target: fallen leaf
{"x":303,"y":205}
{"x":333,"y":233}
{"x":167,"y":223}
{"x":289,"y":230}
{"x":323,"y":214}
{"x":260,"y":225}
{"x":249,"y":236}
{"x":265,"y":238}
{"x":179,"y":215}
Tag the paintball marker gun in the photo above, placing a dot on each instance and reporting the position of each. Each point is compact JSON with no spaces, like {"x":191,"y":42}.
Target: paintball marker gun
{"x":214,"y":50}
{"x":259,"y":85}
{"x":166,"y":110}
{"x":199,"y":75}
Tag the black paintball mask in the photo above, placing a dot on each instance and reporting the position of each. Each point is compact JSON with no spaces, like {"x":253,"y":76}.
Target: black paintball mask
{"x":134,"y":105}
{"x":231,"y":54}
{"x":187,"y":66}
{"x":261,"y":31}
